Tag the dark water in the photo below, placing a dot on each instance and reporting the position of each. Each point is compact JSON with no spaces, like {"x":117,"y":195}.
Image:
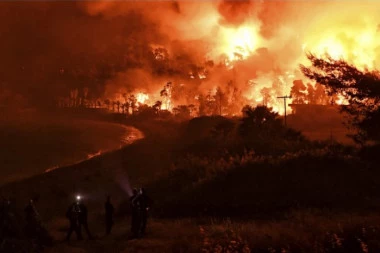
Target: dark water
{"x":30,"y":147}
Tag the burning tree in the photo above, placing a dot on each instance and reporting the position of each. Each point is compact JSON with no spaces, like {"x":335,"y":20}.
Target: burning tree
{"x":361,"y":89}
{"x":320,"y":94}
{"x":298,"y":92}
{"x":234,"y":97}
{"x":166,"y":94}
{"x":267,"y":99}
{"x":132,"y":102}
{"x":107,"y":102}
{"x":74,"y":97}
{"x":117,"y":103}
{"x":221,"y":100}
{"x":211,"y":106}
{"x":157,"y":107}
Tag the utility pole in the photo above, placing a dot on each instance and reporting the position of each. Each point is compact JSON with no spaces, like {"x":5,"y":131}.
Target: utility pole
{"x":285,"y":97}
{"x":220,"y":102}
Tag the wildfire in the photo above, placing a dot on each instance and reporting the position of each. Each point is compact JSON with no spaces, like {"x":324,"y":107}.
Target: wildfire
{"x":356,"y":42}
{"x":340,"y":34}
{"x":341,"y":100}
{"x":142,"y":97}
{"x":239,"y":43}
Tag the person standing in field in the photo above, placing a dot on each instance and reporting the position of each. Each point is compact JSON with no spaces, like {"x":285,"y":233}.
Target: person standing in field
{"x":143,"y":204}
{"x":134,"y":214}
{"x":32,"y":219}
{"x":72,"y":215}
{"x":83,"y":219}
{"x":109,"y":210}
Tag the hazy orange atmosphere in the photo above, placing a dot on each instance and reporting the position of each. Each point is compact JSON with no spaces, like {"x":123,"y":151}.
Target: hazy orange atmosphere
{"x":190,"y":126}
{"x":251,"y":50}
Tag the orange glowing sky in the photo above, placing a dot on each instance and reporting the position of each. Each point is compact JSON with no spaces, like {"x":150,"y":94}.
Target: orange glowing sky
{"x":262,"y":44}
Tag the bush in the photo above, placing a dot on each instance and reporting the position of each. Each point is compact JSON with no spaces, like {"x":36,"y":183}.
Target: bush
{"x":250,"y":184}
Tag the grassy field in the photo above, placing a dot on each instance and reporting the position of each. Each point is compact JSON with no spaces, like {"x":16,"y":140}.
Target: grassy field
{"x":306,"y":231}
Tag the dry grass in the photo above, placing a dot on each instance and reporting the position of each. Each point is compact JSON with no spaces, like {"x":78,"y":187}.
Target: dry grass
{"x":304,"y":231}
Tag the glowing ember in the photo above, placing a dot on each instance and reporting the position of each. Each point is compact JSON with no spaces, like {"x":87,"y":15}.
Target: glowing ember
{"x":202,"y":76}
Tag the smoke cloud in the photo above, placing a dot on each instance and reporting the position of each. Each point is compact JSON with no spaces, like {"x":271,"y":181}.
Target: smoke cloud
{"x":49,"y":48}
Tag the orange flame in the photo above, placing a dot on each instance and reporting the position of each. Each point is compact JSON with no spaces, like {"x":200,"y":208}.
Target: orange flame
{"x":142,"y":98}
{"x":239,"y":43}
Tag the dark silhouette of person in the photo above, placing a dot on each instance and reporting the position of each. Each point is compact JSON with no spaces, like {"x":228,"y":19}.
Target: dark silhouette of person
{"x":32,"y":220}
{"x":109,"y":209}
{"x":135,"y":221}
{"x":7,"y":224}
{"x":34,"y":227}
{"x":3,"y":216}
{"x":143,"y":202}
{"x":83,"y":219}
{"x":72,"y":214}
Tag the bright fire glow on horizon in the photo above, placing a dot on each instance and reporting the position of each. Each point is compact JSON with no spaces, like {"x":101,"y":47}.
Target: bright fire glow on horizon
{"x":239,"y":43}
{"x":263,"y":51}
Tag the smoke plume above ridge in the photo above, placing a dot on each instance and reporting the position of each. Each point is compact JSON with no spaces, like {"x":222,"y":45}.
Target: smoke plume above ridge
{"x":50,"y":48}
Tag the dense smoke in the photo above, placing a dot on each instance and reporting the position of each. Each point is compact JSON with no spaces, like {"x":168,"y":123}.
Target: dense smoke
{"x":234,"y":12}
{"x":104,"y":49}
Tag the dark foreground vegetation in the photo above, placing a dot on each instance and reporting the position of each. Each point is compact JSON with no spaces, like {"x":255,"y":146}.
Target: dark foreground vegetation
{"x":220,"y":184}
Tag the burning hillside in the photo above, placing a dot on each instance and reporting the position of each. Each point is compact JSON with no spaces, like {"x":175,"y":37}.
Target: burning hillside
{"x":215,"y":56}
{"x":244,"y":52}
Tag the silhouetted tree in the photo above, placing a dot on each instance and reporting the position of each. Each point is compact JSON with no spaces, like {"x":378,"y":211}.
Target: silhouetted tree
{"x":259,"y":121}
{"x":310,"y":94}
{"x":182,"y":111}
{"x":233,"y":96}
{"x":361,"y":88}
{"x":125,"y":96}
{"x":210,"y":104}
{"x":157,"y":107}
{"x":265,"y":92}
{"x":74,"y":97}
{"x":298,"y":92}
{"x":166,"y":94}
{"x":320,"y":94}
{"x":107,"y":102}
{"x":132,"y":103}
{"x":146,"y":111}
{"x":202,"y":106}
{"x":85,"y":95}
{"x":192,"y":109}
{"x":221,"y":99}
